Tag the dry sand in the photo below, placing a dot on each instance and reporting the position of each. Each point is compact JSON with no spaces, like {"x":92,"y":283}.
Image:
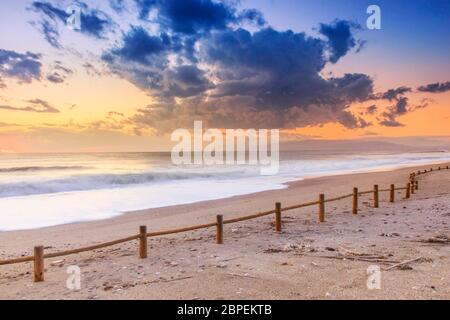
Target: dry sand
{"x":303,"y":262}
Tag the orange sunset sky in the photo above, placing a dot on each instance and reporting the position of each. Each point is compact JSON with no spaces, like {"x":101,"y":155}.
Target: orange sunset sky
{"x":131,"y":74}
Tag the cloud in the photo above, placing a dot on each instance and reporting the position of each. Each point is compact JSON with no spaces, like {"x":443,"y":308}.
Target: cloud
{"x":7,"y":125}
{"x":197,"y":16}
{"x":91,"y":69}
{"x":340,"y":38}
{"x":435,"y":87}
{"x":400,"y":108}
{"x":143,"y":60}
{"x":234,"y":77}
{"x":278,"y":69}
{"x":200,"y":63}
{"x":369,"y":134}
{"x":25,"y":67}
{"x":117,"y":5}
{"x":390,"y":116}
{"x":253,"y":16}
{"x":392,"y":94}
{"x":35,"y":105}
{"x":371,"y":109}
{"x":140,"y":47}
{"x":59,"y":73}
{"x":94,"y":23}
{"x":112,"y":114}
{"x":51,"y":33}
{"x":55,"y":78}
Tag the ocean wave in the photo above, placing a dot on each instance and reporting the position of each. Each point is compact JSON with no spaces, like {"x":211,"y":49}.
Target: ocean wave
{"x":290,"y":170}
{"x":36,"y":169}
{"x":96,"y":181}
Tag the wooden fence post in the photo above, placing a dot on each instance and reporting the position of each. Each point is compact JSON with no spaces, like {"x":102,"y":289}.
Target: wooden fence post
{"x":413,"y":186}
{"x":408,"y":190}
{"x":376,"y":197}
{"x":392,"y":197}
{"x":219,"y":230}
{"x":417,"y":185}
{"x":355,"y":200}
{"x":278,"y":217}
{"x":143,"y":242}
{"x":38,"y":263}
{"x":322,"y":208}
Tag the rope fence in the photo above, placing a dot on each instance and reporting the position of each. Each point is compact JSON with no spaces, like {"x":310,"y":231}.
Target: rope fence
{"x":39,"y":256}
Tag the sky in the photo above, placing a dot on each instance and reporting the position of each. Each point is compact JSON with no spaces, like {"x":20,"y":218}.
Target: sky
{"x":121,"y":75}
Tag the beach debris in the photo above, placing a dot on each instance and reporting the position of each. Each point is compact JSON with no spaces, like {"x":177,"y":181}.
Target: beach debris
{"x":390,"y":235}
{"x":273,"y":250}
{"x":439,"y":239}
{"x":168,"y":280}
{"x":107,"y":286}
{"x":289,"y":247}
{"x":352,"y":255}
{"x":404,"y":265}
{"x":57,"y":263}
{"x":221,"y":266}
{"x":245,"y":275}
{"x":193,"y":239}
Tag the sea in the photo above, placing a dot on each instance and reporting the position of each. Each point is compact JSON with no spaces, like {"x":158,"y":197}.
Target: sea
{"x":42,"y":190}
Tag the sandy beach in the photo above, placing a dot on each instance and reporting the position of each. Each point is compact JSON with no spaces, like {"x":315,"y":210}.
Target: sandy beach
{"x":305,"y":261}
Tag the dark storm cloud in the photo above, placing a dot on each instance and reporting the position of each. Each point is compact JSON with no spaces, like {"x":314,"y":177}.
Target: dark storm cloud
{"x":94,"y":23}
{"x":25,"y":67}
{"x":139,"y":46}
{"x":253,"y":16}
{"x":35,"y":105}
{"x":197,"y":16}
{"x":143,"y":59}
{"x":435,"y":87}
{"x":186,"y":81}
{"x":236,"y":77}
{"x":340,"y":38}
{"x":255,"y":65}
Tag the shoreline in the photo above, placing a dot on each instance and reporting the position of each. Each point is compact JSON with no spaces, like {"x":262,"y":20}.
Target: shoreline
{"x":288,"y":265}
{"x":285,"y":185}
{"x":203,"y":216}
